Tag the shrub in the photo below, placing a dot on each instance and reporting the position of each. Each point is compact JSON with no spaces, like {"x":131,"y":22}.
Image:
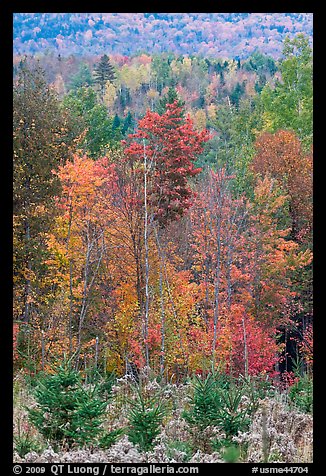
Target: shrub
{"x":66,"y":412}
{"x":108,"y":382}
{"x":301,"y":391}
{"x":278,"y":434}
{"x":145,"y":418}
{"x":181,"y":449}
{"x":109,"y":438}
{"x":25,"y":441}
{"x":231,"y":454}
{"x":203,"y":403}
{"x":301,"y":394}
{"x":257,"y":388}
{"x":231,"y":417}
{"x":104,"y":384}
{"x":218,"y":402}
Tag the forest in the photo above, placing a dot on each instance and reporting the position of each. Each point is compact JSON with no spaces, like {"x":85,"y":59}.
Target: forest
{"x":228,"y":35}
{"x":162,"y":232}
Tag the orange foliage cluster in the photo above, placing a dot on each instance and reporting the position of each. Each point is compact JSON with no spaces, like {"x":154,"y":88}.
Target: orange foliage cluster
{"x":280,"y":155}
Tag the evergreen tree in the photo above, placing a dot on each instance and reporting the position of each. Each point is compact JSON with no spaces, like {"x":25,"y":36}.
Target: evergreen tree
{"x":260,"y":83}
{"x":145,"y":418}
{"x":169,"y":98}
{"x":116,"y":129}
{"x":233,"y":145}
{"x":222,"y":80}
{"x":66,"y":412}
{"x":82,"y":78}
{"x":89,"y":115}
{"x":116,"y":122}
{"x":128,"y":124}
{"x":236,"y":93}
{"x":104,"y":72}
{"x":161,"y":71}
{"x":271,"y":65}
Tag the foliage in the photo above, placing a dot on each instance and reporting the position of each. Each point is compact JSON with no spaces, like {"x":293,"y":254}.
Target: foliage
{"x":110,"y":438}
{"x":103,"y":72}
{"x":172,"y":145}
{"x":301,"y":393}
{"x":231,"y":454}
{"x":232,"y":417}
{"x":306,"y":345}
{"x":185,"y":249}
{"x":183,"y":447}
{"x":281,"y":157}
{"x":66,"y":412}
{"x":24,"y":443}
{"x":261,"y":63}
{"x":82,"y":78}
{"x":277,"y":432}
{"x":204,"y":403}
{"x":40,"y":145}
{"x":216,"y":402}
{"x":106,"y":384}
{"x":169,"y":98}
{"x":257,"y":388}
{"x":289,"y":104}
{"x":145,"y":418}
{"x":237,"y":35}
{"x":232,"y":143}
{"x":90,"y":121}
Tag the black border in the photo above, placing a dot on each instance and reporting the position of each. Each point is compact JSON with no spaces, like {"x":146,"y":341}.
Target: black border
{"x":57,"y":6}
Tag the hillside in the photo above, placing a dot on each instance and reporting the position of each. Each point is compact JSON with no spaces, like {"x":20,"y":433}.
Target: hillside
{"x":226,"y":35}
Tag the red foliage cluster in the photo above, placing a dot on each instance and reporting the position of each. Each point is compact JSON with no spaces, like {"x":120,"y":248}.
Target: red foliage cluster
{"x":171,"y":146}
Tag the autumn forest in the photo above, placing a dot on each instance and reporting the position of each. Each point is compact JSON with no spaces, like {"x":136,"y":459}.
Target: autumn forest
{"x":162,"y":236}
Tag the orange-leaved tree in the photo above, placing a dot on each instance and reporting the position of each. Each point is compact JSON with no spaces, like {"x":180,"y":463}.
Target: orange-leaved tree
{"x":79,"y":242}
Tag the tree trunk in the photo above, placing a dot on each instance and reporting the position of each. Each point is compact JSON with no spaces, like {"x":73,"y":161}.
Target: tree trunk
{"x":228,"y":275}
{"x":26,"y":313}
{"x":162,"y":356}
{"x":70,"y":284}
{"x":166,"y":279}
{"x":146,"y":263}
{"x":96,"y":352}
{"x":245,"y":348}
{"x":217,"y":283}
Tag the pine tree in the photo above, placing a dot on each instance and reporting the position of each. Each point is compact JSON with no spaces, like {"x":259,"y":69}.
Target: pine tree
{"x":116,"y":129}
{"x":145,"y":418}
{"x":169,"y":98}
{"x":65,"y":410}
{"x":128,"y":124}
{"x":83,"y":78}
{"x":103,"y":72}
{"x":116,"y":122}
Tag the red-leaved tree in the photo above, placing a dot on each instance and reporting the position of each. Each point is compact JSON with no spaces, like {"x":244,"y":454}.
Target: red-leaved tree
{"x":170,"y":145}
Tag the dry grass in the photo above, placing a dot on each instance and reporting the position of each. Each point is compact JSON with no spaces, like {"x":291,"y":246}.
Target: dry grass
{"x":277,"y":433}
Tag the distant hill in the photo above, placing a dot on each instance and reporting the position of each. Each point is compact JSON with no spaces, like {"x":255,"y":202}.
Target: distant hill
{"x":226,"y":35}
